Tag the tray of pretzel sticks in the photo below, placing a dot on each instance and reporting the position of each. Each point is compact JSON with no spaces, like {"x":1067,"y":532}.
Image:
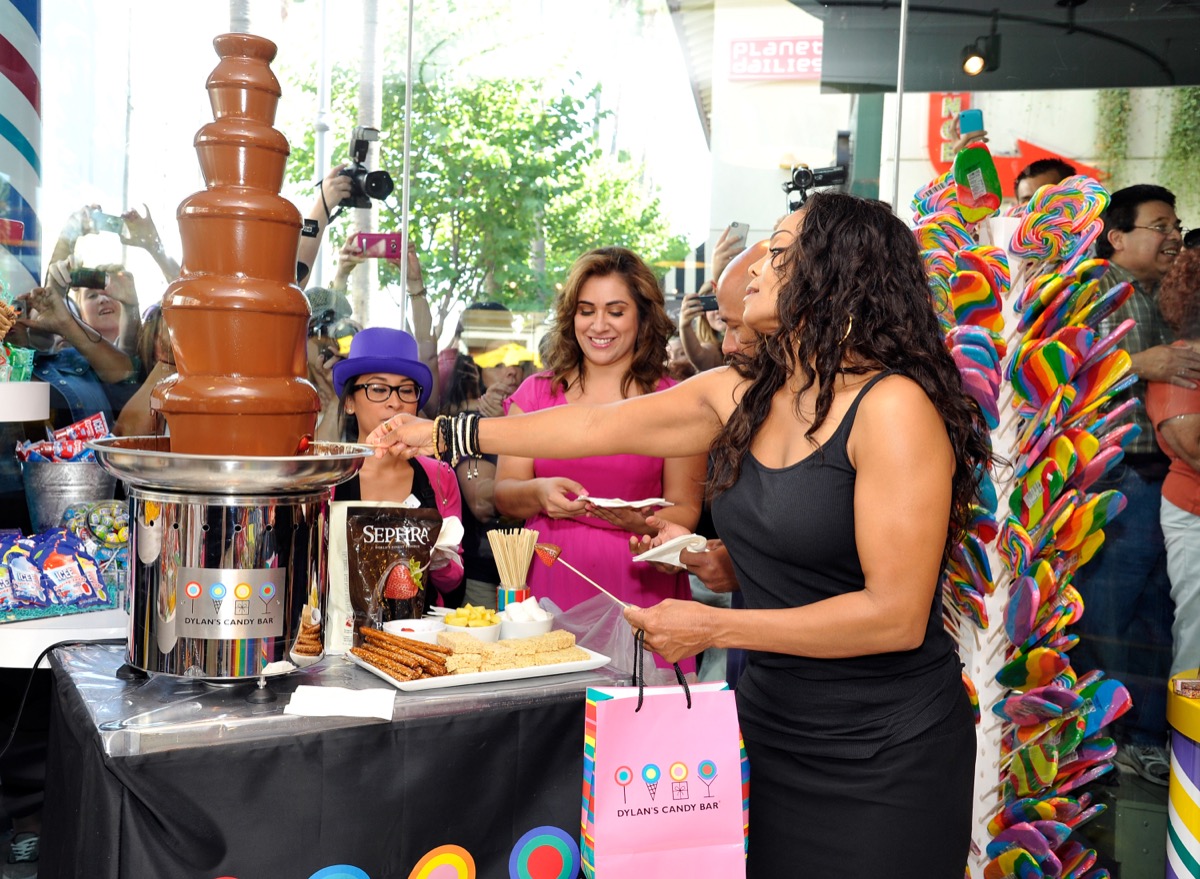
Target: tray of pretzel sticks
{"x":460,"y":659}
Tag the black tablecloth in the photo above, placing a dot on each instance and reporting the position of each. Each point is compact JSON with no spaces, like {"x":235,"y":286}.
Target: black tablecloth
{"x":131,"y":795}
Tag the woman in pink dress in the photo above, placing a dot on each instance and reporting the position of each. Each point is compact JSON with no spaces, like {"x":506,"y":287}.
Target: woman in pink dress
{"x":608,"y":343}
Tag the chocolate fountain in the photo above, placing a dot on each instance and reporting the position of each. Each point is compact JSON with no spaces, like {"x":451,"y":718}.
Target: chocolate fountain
{"x":229,"y":512}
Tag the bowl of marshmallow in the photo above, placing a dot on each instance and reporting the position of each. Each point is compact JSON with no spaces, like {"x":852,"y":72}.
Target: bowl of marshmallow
{"x":523,"y":619}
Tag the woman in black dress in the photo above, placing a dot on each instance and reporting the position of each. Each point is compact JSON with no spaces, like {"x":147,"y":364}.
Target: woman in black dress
{"x":843,"y":462}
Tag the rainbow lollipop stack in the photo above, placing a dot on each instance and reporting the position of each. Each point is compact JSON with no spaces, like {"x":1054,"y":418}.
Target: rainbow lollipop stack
{"x":1046,"y":388}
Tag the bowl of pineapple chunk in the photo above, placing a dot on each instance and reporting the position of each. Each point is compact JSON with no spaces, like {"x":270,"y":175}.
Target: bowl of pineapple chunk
{"x":481,"y":622}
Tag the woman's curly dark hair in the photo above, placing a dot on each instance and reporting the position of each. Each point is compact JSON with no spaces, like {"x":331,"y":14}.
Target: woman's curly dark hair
{"x":1179,"y":294}
{"x":853,"y":298}
{"x":563,"y":356}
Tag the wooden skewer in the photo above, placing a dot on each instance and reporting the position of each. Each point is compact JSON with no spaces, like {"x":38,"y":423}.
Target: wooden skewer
{"x":593,"y":582}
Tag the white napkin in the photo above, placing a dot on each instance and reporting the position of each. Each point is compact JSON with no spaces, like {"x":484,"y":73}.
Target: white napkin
{"x":668,"y":553}
{"x":615,"y":503}
{"x":451,"y":534}
{"x":341,"y":702}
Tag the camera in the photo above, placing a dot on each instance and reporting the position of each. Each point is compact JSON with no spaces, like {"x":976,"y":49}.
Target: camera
{"x":805,"y":178}
{"x":92,"y":279}
{"x":364,"y":185}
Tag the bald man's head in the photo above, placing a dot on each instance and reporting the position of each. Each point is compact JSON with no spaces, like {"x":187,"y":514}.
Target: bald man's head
{"x":731,"y":288}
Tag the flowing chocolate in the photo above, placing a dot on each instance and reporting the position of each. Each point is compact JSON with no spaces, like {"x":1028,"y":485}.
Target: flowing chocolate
{"x":238,"y":320}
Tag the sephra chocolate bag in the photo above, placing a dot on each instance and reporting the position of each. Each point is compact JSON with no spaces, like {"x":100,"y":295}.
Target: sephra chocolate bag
{"x":387,"y":560}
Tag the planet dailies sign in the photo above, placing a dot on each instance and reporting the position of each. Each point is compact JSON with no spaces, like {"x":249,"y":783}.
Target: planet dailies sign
{"x":775,"y":58}
{"x":229,"y":604}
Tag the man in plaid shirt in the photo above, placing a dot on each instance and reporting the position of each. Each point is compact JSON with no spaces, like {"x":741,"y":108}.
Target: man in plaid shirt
{"x":1126,"y":628}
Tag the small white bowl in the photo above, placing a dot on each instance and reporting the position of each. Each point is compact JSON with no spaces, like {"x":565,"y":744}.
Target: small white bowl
{"x":483,"y":633}
{"x":525,"y":628}
{"x":419,"y":630}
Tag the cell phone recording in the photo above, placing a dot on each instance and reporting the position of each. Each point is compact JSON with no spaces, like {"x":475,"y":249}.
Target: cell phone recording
{"x":381,"y":245}
{"x":708,"y":303}
{"x":107,"y":222}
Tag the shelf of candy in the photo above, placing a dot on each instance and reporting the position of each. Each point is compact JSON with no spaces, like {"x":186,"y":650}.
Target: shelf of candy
{"x":1022,"y":326}
{"x":89,"y":561}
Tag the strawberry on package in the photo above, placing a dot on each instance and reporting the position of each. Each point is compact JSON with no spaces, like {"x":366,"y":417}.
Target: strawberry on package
{"x":388,"y":556}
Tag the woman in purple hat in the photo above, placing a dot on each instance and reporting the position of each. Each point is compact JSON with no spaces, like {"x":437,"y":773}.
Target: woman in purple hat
{"x":384,"y":376}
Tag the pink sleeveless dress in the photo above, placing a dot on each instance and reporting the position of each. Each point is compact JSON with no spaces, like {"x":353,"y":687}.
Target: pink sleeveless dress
{"x":592,"y":545}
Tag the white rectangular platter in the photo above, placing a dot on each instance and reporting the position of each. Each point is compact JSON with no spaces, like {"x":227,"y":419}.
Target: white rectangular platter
{"x":594,"y":660}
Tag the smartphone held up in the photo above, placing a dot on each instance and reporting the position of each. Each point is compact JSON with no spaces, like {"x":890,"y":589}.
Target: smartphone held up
{"x":737,"y":231}
{"x":381,"y":245}
{"x":103,"y":222}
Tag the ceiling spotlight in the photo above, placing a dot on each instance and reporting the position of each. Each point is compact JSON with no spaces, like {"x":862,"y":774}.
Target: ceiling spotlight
{"x":983,"y":54}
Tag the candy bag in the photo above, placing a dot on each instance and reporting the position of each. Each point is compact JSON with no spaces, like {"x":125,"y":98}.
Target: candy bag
{"x":60,"y":557}
{"x":976,"y":183}
{"x":25,"y":577}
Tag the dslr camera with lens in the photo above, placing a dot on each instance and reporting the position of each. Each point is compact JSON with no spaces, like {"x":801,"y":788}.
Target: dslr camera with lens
{"x":364,"y":185}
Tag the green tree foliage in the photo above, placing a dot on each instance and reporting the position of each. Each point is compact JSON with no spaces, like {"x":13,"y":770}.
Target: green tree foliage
{"x":508,"y":187}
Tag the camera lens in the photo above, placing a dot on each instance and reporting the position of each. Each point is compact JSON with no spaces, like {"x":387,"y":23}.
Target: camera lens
{"x":378,"y":184}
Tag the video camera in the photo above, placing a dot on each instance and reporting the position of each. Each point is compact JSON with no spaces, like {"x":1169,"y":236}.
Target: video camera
{"x":805,"y":178}
{"x":364,"y":185}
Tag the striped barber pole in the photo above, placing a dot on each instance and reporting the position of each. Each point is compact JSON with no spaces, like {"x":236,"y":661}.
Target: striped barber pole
{"x":1183,"y":809}
{"x":20,"y":144}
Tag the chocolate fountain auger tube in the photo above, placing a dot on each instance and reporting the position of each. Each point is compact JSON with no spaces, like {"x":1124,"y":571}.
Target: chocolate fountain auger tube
{"x":229,"y":513}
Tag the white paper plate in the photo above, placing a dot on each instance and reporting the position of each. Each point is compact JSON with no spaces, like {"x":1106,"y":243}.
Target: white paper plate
{"x":615,"y":503}
{"x":668,"y":552}
{"x":594,"y":660}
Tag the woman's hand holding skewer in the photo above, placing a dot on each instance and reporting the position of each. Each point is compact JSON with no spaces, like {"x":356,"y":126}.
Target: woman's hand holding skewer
{"x":405,"y":436}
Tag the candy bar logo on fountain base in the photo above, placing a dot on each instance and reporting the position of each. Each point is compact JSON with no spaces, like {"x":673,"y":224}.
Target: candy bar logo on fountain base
{"x":229,"y":604}
{"x":408,"y":534}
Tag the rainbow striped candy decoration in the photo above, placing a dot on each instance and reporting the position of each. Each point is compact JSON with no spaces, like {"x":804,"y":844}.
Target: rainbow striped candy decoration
{"x":1043,"y":372}
{"x":1036,"y":491}
{"x":1025,"y":809}
{"x":1036,"y":668}
{"x":975,"y":301}
{"x":1015,"y":863}
{"x":1097,"y":512}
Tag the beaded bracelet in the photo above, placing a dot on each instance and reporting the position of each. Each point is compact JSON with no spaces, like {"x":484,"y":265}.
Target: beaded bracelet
{"x":456,"y":437}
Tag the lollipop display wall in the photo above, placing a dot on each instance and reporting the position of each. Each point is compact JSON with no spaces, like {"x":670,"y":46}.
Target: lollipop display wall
{"x":1022,"y":316}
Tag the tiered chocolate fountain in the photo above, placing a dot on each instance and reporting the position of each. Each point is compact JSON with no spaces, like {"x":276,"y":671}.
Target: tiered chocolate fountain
{"x":228,"y":554}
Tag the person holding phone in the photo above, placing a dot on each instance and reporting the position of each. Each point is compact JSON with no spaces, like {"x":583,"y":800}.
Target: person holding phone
{"x":700,"y":325}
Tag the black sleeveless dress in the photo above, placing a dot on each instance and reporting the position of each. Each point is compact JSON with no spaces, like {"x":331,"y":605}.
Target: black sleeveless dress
{"x":861,"y":766}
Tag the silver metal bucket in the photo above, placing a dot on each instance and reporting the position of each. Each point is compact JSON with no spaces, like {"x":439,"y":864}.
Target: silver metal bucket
{"x":52,"y":487}
{"x":218,"y":583}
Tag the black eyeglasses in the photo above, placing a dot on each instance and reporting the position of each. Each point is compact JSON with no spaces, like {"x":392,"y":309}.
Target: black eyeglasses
{"x":377,"y":392}
{"x":1165,"y":230}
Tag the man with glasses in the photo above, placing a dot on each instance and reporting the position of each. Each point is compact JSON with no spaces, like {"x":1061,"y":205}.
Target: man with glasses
{"x":1126,"y":628}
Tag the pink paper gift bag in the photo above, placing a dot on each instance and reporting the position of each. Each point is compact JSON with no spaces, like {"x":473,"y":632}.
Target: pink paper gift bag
{"x":664,"y":788}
